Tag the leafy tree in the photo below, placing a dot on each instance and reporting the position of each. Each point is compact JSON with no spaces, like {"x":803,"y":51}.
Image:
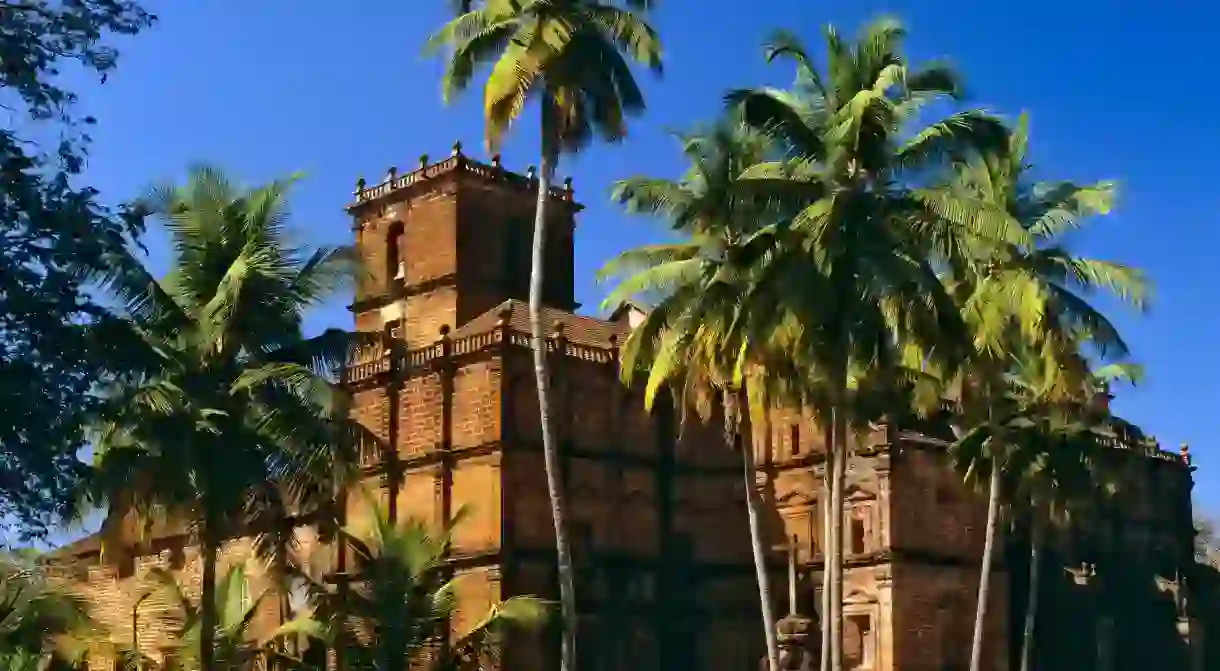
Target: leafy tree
{"x":573,"y":57}
{"x":686,"y":340}
{"x":850,"y":281}
{"x":402,"y":598}
{"x":51,"y":229}
{"x":223,"y":416}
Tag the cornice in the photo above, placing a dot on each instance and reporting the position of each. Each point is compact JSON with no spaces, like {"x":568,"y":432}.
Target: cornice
{"x":443,"y":176}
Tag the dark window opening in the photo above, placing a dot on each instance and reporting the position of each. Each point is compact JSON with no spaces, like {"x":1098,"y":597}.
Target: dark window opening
{"x":795,"y":447}
{"x":177,"y":557}
{"x":127,"y":565}
{"x":518,"y":252}
{"x":858,"y":642}
{"x":857,"y":535}
{"x":393,"y":254}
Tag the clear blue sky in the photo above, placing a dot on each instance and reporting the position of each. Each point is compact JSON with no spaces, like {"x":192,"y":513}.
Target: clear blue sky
{"x":340,"y":90}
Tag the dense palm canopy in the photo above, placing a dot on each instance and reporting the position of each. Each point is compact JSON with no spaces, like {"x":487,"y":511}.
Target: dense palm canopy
{"x":830,"y":263}
{"x":848,"y":284}
{"x":224,"y":417}
{"x":400,"y":600}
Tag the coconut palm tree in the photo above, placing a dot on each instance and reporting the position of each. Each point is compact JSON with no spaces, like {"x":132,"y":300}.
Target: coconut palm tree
{"x":224,"y":418}
{"x":1015,"y":296}
{"x":573,"y":57}
{"x":402,"y":598}
{"x":1058,"y":453}
{"x":685,"y":341}
{"x":851,"y":280}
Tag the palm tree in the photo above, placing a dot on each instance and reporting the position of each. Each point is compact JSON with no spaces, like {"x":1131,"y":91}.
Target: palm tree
{"x":397,"y":614}
{"x":1014,"y":296}
{"x":41,"y":623}
{"x":234,"y":645}
{"x":1059,"y":456}
{"x":850,"y":280}
{"x":224,"y":417}
{"x":684,"y":342}
{"x":573,"y":56}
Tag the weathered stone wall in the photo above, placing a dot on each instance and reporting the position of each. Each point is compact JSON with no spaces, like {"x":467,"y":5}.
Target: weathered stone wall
{"x":116,"y":595}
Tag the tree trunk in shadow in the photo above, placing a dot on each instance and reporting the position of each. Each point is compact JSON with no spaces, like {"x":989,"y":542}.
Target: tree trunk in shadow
{"x":1031,"y":607}
{"x":567,"y":584}
{"x":754,"y":516}
{"x":980,"y":613}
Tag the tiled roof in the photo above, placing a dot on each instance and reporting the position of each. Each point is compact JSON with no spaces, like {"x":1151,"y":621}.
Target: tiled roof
{"x":78,"y":547}
{"x":576,"y":328}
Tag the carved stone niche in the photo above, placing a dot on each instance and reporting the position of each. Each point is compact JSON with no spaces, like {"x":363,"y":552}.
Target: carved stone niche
{"x":861,"y":626}
{"x":861,"y":520}
{"x":798,"y":512}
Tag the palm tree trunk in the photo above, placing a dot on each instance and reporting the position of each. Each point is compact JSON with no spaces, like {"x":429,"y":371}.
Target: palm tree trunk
{"x":980,"y":611}
{"x":838,"y":472}
{"x":754,"y":514}
{"x":567,"y":587}
{"x":207,"y":601}
{"x":1031,"y":606}
{"x":827,"y":541}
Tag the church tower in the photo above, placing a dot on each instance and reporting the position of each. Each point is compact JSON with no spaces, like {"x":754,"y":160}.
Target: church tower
{"x":450,"y":388}
{"x":448,"y":241}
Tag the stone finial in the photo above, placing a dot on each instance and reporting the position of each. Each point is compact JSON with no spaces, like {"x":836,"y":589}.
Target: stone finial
{"x":557,"y":329}
{"x":532,"y":172}
{"x":567,"y":184}
{"x":360,"y":184}
{"x":457,"y":149}
{"x":444,"y":330}
{"x":391,"y":174}
{"x":1184,"y":452}
{"x":495,"y":161}
{"x":504,"y":315}
{"x":614,"y":340}
{"x":423,"y":161}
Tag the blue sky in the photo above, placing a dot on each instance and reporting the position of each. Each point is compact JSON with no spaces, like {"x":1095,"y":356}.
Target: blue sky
{"x":339,"y":90}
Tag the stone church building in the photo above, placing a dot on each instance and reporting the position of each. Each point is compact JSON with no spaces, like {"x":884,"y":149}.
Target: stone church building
{"x":657,"y":517}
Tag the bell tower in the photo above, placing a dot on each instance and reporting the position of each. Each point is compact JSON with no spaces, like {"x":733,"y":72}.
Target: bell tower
{"x":450,"y":240}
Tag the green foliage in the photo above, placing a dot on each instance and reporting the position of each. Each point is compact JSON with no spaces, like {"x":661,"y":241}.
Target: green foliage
{"x":396,"y":610}
{"x":41,"y":621}
{"x":235,"y":644}
{"x":224,"y":412}
{"x":223,"y":416}
{"x":841,"y":258}
{"x":51,"y":230}
{"x":572,"y":54}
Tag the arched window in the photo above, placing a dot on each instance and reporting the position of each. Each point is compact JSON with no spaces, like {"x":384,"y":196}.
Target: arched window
{"x":394,"y":269}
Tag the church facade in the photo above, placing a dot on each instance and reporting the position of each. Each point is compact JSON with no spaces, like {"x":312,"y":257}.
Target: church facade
{"x":656,"y":510}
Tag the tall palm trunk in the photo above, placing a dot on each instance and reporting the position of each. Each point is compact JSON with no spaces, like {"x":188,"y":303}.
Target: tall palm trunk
{"x":827,"y":540}
{"x":838,"y":473}
{"x":1031,"y":606}
{"x":563,"y":554}
{"x":754,"y":515}
{"x":207,"y":600}
{"x":980,"y":611}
